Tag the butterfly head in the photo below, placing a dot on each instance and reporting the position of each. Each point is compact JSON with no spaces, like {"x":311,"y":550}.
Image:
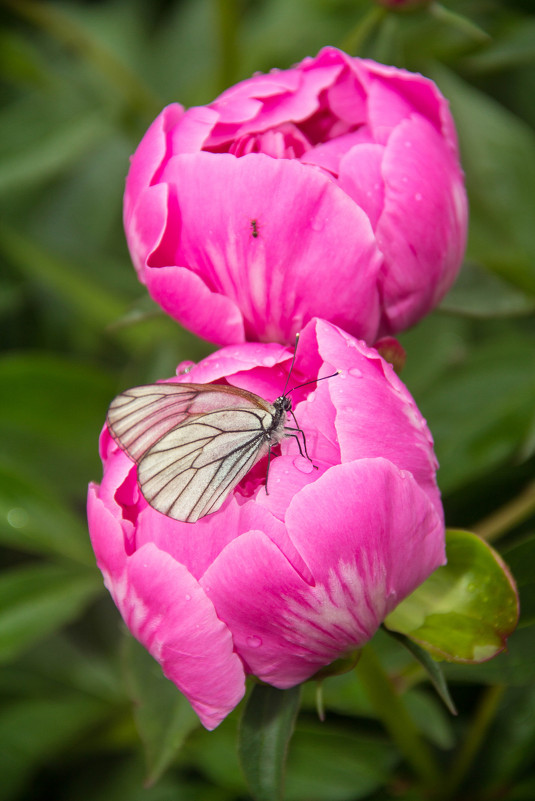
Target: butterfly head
{"x":284,"y":403}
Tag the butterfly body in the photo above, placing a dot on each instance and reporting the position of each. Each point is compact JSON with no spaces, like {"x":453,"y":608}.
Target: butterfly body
{"x":193,"y":443}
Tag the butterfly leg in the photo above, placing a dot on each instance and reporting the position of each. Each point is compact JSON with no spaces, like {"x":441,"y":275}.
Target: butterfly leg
{"x":296,"y":437}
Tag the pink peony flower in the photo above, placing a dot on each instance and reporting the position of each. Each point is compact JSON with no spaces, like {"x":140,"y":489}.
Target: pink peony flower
{"x":280,"y":584}
{"x":332,"y":189}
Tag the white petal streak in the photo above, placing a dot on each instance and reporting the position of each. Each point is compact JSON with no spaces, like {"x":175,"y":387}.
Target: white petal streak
{"x":338,"y":615}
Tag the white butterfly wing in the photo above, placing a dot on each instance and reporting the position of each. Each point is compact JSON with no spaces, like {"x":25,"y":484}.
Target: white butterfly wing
{"x":139,"y":417}
{"x":190,"y":471}
{"x":193,"y":442}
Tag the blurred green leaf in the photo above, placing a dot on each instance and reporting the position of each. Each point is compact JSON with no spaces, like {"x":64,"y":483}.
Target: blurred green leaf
{"x":51,"y":416}
{"x":515,"y":726}
{"x":267,"y":725}
{"x":514,"y":47}
{"x":326,"y":763}
{"x":35,"y":731}
{"x":498,"y":154}
{"x":91,"y":301}
{"x":479,"y":293}
{"x":42,"y":158}
{"x":163,"y":716}
{"x":431,"y":668}
{"x":466,"y":609}
{"x":478,"y":401}
{"x":520,"y":559}
{"x":38,"y":599}
{"x":33,"y":518}
{"x":431,"y":717}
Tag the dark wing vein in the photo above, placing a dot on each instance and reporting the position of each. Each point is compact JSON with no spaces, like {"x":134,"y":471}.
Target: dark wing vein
{"x":190,"y":470}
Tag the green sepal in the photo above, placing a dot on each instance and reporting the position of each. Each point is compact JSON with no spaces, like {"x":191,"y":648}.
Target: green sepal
{"x":466,"y":609}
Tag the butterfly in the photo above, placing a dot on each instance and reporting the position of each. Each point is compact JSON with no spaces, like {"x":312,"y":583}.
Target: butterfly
{"x":193,"y":443}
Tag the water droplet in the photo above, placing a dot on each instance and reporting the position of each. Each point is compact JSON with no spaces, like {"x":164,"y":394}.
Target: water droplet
{"x":355,"y":372}
{"x":187,"y":597}
{"x":418,"y":196}
{"x":303,"y":465}
{"x":17,"y":517}
{"x":253,"y":641}
{"x":317,"y":224}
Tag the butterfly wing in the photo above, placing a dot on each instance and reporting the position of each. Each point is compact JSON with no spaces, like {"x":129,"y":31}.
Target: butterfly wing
{"x":190,"y":471}
{"x":139,"y":417}
{"x":193,"y":442}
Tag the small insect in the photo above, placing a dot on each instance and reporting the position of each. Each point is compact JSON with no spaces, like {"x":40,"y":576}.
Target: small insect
{"x":254,"y":229}
{"x":193,"y":443}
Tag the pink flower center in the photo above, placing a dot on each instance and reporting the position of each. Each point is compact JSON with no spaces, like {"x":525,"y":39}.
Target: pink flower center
{"x":284,"y":142}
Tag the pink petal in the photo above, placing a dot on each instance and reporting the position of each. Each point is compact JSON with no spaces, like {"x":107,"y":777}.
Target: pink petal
{"x":422,"y":230}
{"x":375,"y":417}
{"x":169,"y":613}
{"x":360,"y":175}
{"x":329,"y":154}
{"x":266,"y":101}
{"x":148,"y":157}
{"x":368,"y":535}
{"x":185,"y":296}
{"x":278,"y":277}
{"x":369,"y":520}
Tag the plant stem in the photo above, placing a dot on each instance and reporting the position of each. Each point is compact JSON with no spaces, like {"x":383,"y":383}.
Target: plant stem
{"x":355,"y":40}
{"x":508,"y":516}
{"x":482,"y":719}
{"x":391,"y":710}
{"x":460,"y":22}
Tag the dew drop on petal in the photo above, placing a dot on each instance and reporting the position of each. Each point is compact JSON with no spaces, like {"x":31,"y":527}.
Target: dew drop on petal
{"x":253,"y":641}
{"x":418,"y":196}
{"x":355,"y":372}
{"x":303,"y":465}
{"x":317,"y":224}
{"x":187,"y":597}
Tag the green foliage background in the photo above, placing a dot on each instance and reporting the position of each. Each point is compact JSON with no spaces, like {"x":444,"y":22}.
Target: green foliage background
{"x":80,"y":84}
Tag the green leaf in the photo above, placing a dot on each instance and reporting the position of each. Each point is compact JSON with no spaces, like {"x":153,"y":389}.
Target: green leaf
{"x":521,"y":558}
{"x":94,"y":304}
{"x":51,"y":414}
{"x":482,"y":294}
{"x":266,"y":728}
{"x":34,"y":731}
{"x":466,"y":609}
{"x":164,"y":717}
{"x":33,"y":519}
{"x":331,"y":763}
{"x":479,"y":405}
{"x":498,"y":154}
{"x":37,"y":600}
{"x":432,"y":669}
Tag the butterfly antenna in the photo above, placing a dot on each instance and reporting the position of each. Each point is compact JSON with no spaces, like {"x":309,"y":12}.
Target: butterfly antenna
{"x":315,"y":381}
{"x":292,"y":365}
